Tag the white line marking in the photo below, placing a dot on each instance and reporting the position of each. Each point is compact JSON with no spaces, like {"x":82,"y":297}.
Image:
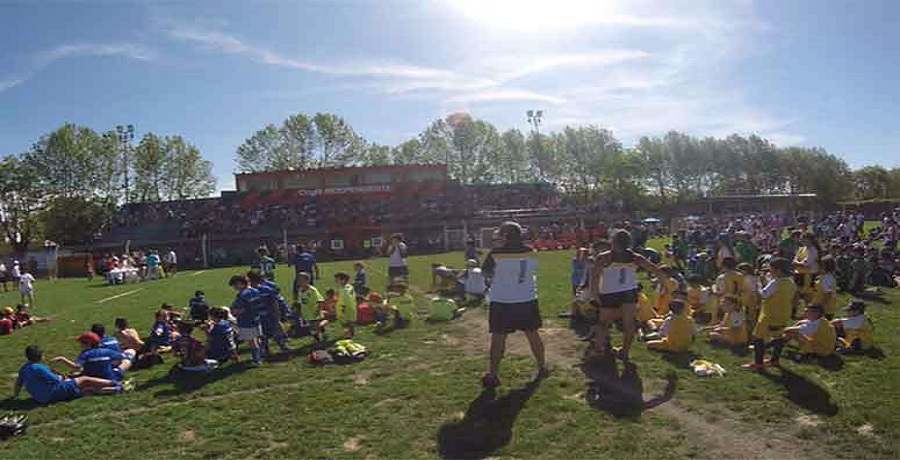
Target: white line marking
{"x":198,"y":273}
{"x":120,"y":295}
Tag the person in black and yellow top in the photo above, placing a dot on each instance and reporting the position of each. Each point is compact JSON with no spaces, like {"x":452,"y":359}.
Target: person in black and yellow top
{"x":854,"y":330}
{"x":676,"y":332}
{"x":778,"y":298}
{"x":509,"y":272}
{"x":814,"y":334}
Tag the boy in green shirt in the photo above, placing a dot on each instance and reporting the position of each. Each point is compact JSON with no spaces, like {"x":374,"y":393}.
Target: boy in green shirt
{"x":310,"y":302}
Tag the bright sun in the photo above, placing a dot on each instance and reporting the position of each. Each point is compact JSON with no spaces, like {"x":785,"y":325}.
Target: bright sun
{"x":537,"y":14}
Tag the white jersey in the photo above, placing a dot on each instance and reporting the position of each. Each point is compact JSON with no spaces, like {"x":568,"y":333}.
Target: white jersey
{"x":397,"y":256}
{"x":474,"y":281}
{"x":512,"y":274}
{"x":620,"y":275}
{"x":26,"y":283}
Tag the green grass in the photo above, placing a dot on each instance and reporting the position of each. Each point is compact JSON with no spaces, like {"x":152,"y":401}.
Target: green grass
{"x":410,"y":398}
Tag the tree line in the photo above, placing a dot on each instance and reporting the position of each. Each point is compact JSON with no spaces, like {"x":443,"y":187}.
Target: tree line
{"x":68,"y":185}
{"x":587,"y":162}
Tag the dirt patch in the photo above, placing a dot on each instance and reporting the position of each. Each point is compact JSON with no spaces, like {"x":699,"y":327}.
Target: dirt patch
{"x":808,"y":421}
{"x":449,"y":340}
{"x":187,"y":437}
{"x":362,"y":377}
{"x":728,"y":438}
{"x":353,"y":443}
{"x":385,"y":402}
{"x":866,"y":430}
{"x":560,"y":344}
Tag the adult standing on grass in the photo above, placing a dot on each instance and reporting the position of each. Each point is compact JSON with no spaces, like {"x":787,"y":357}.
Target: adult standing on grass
{"x":614,"y":278}
{"x":397,"y":258}
{"x":303,"y":262}
{"x":509,"y":271}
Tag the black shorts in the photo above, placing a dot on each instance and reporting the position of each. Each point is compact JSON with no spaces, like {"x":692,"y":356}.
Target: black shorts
{"x":506,"y":318}
{"x":617,"y":299}
{"x":394,"y":272}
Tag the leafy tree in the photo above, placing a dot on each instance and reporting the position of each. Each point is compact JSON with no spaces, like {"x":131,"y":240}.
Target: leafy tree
{"x":74,"y":220}
{"x":21,"y":200}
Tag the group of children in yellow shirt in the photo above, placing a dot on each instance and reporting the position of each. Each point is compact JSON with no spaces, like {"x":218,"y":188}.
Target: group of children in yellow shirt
{"x":742,"y":311}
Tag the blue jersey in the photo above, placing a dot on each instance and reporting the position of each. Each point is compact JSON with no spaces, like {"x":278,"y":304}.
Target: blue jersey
{"x":38,"y":380}
{"x":268,"y":300}
{"x":283,"y":306}
{"x":199,"y":308}
{"x":304,"y":262}
{"x":221,"y":340}
{"x":247,"y":305}
{"x":160,"y":334}
{"x":360,"y":280}
{"x":100,"y":363}
{"x":110,"y":343}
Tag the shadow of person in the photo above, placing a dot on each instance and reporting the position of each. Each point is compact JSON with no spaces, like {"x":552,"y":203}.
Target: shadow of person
{"x":19,"y":404}
{"x":486,"y":426}
{"x":804,"y":392}
{"x":621,"y":395}
{"x":186,"y":382}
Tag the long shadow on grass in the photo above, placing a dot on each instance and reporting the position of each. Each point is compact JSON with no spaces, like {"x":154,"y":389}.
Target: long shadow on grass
{"x":621,"y":394}
{"x":486,"y":426}
{"x":804,"y":392}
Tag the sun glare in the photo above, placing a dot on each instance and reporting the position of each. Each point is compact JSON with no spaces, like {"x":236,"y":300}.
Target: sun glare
{"x":536,"y":14}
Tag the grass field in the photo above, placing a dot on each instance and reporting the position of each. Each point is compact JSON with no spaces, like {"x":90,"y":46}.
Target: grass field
{"x":418,"y":395}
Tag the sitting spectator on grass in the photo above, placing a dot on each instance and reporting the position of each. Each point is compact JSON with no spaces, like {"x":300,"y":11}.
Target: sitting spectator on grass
{"x":198,"y":307}
{"x":99,"y":362}
{"x":221,"y":334}
{"x":473,"y":280}
{"x":7,"y":321}
{"x":854,"y":331}
{"x":105,"y":340}
{"x":160,"y":339}
{"x":676,"y":333}
{"x":815,"y":335}
{"x":46,"y":385}
{"x":732,"y":330}
{"x":191,"y":351}
{"x":127,"y":336}
{"x":22,"y":318}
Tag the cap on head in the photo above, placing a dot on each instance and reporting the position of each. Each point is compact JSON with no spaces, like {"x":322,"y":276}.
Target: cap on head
{"x":471,"y":263}
{"x":88,"y":338}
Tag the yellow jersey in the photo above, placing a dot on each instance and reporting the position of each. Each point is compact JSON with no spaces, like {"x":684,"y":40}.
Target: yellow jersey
{"x":822,"y":340}
{"x":678,"y":331}
{"x":737,"y":327}
{"x":825,"y":293}
{"x":645,"y":310}
{"x":775,"y":309}
{"x":345,"y":308}
{"x":664,"y":292}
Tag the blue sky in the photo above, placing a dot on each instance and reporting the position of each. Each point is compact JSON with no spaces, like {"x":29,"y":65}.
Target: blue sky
{"x":811,"y":73}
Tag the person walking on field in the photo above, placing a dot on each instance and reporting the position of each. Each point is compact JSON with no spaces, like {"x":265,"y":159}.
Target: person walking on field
{"x":509,"y":271}
{"x":397,"y":258}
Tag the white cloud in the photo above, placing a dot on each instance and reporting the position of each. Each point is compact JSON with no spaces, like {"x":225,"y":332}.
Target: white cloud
{"x":498,"y":95}
{"x":41,"y":60}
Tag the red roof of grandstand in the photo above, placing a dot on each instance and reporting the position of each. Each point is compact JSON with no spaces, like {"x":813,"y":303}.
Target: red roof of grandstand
{"x":343,"y":168}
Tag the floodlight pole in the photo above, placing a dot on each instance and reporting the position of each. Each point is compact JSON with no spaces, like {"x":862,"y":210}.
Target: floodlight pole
{"x":126,"y":135}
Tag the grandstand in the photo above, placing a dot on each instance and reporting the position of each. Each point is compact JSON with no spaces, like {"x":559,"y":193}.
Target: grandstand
{"x":346,"y":212}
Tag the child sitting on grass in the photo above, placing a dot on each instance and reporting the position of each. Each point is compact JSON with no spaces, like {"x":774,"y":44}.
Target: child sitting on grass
{"x":749,"y":294}
{"x":815,"y":335}
{"x":221,"y":345}
{"x":127,"y":336}
{"x":399,"y":303}
{"x":191,"y":351}
{"x":854,"y":331}
{"x":698,"y":299}
{"x":160,"y":339}
{"x":732,"y":330}
{"x":7,"y":321}
{"x":22,"y":318}
{"x":825,"y":288}
{"x":645,"y":312}
{"x":676,"y":332}
{"x":665,"y":292}
{"x":46,"y":385}
{"x":199,"y":309}
{"x":473,"y":281}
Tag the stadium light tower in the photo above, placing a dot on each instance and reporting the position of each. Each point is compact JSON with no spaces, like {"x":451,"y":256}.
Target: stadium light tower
{"x":535,"y":117}
{"x":126,"y":135}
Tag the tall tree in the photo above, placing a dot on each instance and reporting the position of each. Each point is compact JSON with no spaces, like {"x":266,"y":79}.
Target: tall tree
{"x":21,"y":202}
{"x":169,"y":168}
{"x":464,"y":144}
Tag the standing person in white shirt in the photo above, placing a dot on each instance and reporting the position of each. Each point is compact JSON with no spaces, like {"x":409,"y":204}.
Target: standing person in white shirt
{"x":171,"y":261}
{"x":4,"y":276}
{"x":509,"y":271}
{"x":26,"y":288}
{"x":16,"y":271}
{"x":397,"y":258}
